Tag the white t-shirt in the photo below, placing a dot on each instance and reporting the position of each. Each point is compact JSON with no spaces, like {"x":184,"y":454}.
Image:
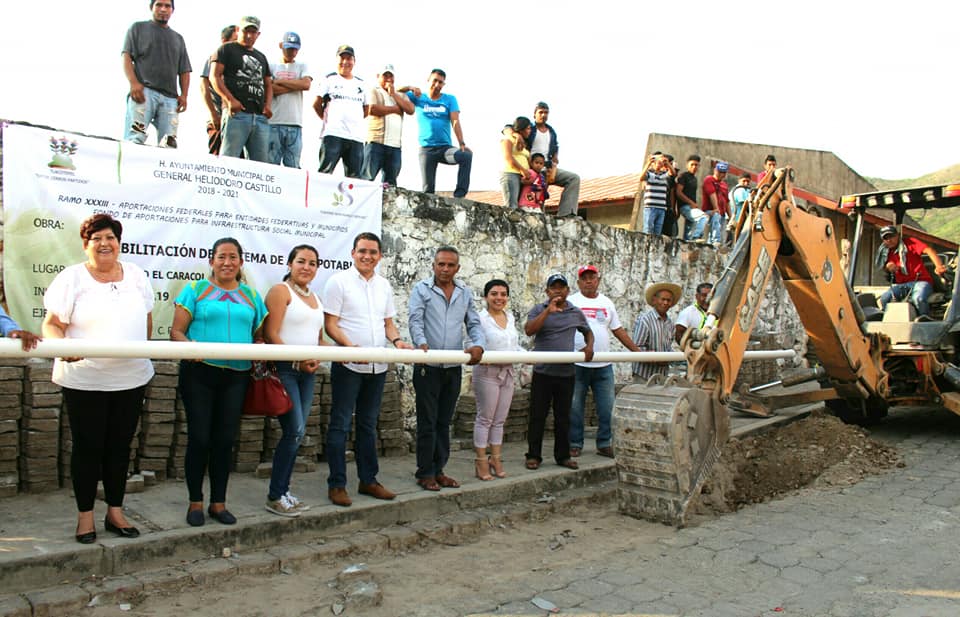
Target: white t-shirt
{"x":387,"y":129}
{"x":690,"y":317}
{"x":288,"y":108}
{"x":344,"y":113}
{"x":541,"y":142}
{"x":102,"y":312}
{"x":362,"y":306}
{"x":602,"y":317}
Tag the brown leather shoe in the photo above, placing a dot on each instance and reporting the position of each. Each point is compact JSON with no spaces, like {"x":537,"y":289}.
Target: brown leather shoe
{"x":606,"y":451}
{"x":339,"y":497}
{"x":376,"y":490}
{"x":569,"y":464}
{"x":447,"y":482}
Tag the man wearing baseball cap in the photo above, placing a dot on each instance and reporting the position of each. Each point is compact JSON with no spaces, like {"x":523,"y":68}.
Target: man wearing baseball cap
{"x":290,"y":80}
{"x":343,"y":101}
{"x":384,"y":128}
{"x":902,"y":258}
{"x":598,"y":376}
{"x":553,"y":324}
{"x":715,"y":201}
{"x":241,"y":76}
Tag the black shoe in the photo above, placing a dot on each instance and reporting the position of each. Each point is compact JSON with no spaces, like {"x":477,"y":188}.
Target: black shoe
{"x":195,"y":518}
{"x":87,"y":538}
{"x":223,"y":516}
{"x":123,"y":532}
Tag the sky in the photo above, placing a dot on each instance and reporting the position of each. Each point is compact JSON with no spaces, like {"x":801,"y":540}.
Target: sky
{"x":873,"y":82}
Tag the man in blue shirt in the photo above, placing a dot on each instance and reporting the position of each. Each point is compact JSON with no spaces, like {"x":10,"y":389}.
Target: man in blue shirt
{"x":440,"y":308}
{"x":436,"y":113}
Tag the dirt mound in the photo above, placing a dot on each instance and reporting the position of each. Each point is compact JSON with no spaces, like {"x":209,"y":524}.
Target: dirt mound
{"x":818,"y":450}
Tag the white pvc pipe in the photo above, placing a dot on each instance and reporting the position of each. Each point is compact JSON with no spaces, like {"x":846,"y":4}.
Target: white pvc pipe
{"x":169,"y":350}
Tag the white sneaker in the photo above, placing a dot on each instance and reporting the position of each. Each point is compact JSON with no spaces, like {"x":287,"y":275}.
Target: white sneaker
{"x":283,"y":507}
{"x":296,"y":503}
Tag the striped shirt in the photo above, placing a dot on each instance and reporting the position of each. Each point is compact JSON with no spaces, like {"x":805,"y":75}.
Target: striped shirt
{"x":655,"y":195}
{"x":652,"y":333}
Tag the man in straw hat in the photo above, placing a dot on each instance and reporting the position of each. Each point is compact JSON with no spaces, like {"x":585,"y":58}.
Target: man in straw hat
{"x":653,"y":330}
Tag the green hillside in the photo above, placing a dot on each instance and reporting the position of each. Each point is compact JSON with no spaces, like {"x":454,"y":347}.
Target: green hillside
{"x":942,"y":223}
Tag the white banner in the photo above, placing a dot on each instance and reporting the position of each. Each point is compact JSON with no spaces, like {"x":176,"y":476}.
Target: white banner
{"x":173,"y":206}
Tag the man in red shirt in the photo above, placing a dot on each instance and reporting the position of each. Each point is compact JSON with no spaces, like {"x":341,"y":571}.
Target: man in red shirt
{"x":904,"y":260}
{"x":715,"y":201}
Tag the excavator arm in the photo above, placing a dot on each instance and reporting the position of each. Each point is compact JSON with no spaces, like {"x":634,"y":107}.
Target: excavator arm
{"x":669,"y":433}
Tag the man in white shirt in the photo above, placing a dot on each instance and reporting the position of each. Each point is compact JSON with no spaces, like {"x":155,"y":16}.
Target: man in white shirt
{"x":343,"y":101}
{"x":694,"y":315}
{"x":359,"y":309}
{"x":603,"y":319}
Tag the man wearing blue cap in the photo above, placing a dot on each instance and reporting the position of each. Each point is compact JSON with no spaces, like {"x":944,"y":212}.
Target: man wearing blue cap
{"x":715,"y":201}
{"x":553,"y":325}
{"x":290,"y":80}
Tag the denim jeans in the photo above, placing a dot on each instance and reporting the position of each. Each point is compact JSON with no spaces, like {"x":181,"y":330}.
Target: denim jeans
{"x":360,"y":392}
{"x":918,"y":292}
{"x":437,"y":390}
{"x":336,"y":148}
{"x":570,"y":198}
{"x":693,"y":229}
{"x":717,"y":223}
{"x":213,"y":399}
{"x":431,"y":156}
{"x":653,"y":220}
{"x":601,"y":381}
{"x":299,"y":386}
{"x":286,"y":142}
{"x":510,"y":185}
{"x":544,"y":391}
{"x":245,"y":131}
{"x":157,"y":109}
{"x":378,"y":157}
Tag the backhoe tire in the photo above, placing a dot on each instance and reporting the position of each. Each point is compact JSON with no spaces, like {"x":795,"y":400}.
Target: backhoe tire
{"x":860,"y":412}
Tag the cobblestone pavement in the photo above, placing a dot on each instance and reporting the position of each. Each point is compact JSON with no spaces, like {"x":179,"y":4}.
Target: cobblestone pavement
{"x":887,"y":546}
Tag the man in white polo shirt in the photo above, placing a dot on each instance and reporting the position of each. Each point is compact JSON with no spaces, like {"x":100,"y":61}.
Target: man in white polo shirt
{"x":603,"y":319}
{"x":343,"y":101}
{"x":359,"y":313}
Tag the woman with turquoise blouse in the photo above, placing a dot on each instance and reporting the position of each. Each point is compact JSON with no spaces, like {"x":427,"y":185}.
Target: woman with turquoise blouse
{"x":220,"y":309}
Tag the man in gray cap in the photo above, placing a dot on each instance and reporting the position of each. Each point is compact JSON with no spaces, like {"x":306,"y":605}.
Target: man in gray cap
{"x":241,"y":76}
{"x":903,"y":259}
{"x":384,"y":128}
{"x":290,"y":80}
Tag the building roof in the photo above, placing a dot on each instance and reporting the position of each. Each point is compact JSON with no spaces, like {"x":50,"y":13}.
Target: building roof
{"x":593,"y":192}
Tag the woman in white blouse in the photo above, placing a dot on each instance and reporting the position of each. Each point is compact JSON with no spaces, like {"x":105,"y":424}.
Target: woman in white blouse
{"x":101,"y":299}
{"x":493,"y":383}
